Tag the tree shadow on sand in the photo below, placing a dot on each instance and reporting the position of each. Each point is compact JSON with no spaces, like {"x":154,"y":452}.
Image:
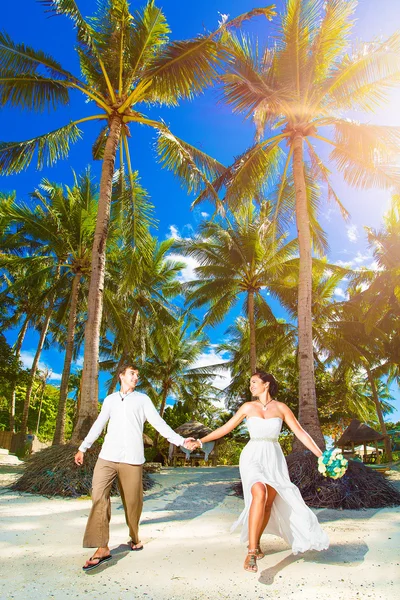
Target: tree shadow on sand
{"x":194,"y":501}
{"x":346,"y":555}
{"x":328,"y":515}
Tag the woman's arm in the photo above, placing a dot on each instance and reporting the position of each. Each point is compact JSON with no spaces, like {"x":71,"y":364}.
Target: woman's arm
{"x":229,"y":426}
{"x":299,"y":432}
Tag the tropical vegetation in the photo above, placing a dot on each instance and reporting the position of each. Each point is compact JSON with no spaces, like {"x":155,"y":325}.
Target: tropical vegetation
{"x":83,"y":267}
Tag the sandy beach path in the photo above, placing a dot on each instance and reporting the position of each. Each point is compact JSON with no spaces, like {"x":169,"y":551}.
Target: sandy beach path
{"x":189,"y":553}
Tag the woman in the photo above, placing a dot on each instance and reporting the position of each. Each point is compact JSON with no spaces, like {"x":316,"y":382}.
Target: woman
{"x":272,"y":502}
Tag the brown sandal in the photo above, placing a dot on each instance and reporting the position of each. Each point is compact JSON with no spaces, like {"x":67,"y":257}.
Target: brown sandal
{"x":258,"y":552}
{"x":100,"y":560}
{"x":250,"y":562}
{"x":134,"y":546}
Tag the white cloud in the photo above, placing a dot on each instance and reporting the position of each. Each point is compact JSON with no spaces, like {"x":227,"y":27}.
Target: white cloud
{"x":224,"y":377}
{"x":357,"y":260}
{"x":205,"y":215}
{"x":352,"y":233}
{"x":374,"y":266}
{"x":187,"y":273}
{"x":174,"y":232}
{"x":79,"y":361}
{"x":27,"y":357}
{"x":339,"y":292}
{"x":361,"y":258}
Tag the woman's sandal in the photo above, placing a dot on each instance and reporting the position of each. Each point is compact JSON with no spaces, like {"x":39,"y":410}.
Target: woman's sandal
{"x":250,"y":562}
{"x":258,"y":552}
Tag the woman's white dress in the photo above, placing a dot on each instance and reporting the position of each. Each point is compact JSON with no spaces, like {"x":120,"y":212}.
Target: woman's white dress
{"x":262,"y":460}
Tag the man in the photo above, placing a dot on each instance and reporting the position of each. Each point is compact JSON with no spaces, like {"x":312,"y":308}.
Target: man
{"x":122,"y":456}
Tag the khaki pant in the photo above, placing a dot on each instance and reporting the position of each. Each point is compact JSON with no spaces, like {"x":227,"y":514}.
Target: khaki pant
{"x":131,"y":489}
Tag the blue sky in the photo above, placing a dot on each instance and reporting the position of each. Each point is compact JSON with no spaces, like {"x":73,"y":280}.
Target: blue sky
{"x":204,"y":122}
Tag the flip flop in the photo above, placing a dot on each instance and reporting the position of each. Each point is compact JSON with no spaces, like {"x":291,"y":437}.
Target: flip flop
{"x":135,"y":549}
{"x":101,"y":560}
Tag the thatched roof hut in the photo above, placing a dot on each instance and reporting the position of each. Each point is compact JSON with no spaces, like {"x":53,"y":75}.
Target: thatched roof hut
{"x":359,"y":433}
{"x":193,"y":429}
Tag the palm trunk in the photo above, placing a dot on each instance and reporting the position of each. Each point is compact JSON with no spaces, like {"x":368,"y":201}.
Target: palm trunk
{"x":388,"y":448}
{"x":161,"y":411}
{"x":89,"y":397}
{"x":40,"y":404}
{"x":35,"y":363}
{"x":252,"y":326}
{"x":20,"y":340}
{"x":114,"y":380}
{"x":62,"y":404}
{"x":308,"y":412}
{"x":124,"y":358}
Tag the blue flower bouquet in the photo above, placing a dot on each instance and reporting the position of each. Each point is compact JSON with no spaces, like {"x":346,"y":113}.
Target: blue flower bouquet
{"x":332,"y":464}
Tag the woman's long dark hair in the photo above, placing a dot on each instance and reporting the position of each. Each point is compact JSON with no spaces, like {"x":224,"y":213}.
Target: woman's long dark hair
{"x":268,"y":378}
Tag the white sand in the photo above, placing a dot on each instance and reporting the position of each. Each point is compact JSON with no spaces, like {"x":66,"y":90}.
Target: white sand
{"x":189,"y":553}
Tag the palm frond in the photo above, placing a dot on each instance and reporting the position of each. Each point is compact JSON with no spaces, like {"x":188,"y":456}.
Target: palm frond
{"x":252,"y":172}
{"x":267,"y":11}
{"x":100,"y":144}
{"x":299,"y":24}
{"x":50,"y":147}
{"x":331,"y":39}
{"x":320,"y":172}
{"x":194,"y":167}
{"x":246,"y":91}
{"x":366,"y":154}
{"x":183,"y":69}
{"x":23,"y":60}
{"x":91,"y":70}
{"x":148,"y":34}
{"x":365,"y":79}
{"x":31,"y":91}
{"x":69,"y":8}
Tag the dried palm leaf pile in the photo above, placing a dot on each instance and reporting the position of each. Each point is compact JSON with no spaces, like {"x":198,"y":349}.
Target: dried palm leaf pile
{"x":360,"y":487}
{"x":52,"y":472}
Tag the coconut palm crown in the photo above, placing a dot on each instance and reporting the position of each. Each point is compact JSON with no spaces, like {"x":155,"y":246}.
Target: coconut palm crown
{"x":126,"y":60}
{"x":298,"y":90}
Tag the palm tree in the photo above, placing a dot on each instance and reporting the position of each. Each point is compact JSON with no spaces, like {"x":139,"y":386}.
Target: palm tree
{"x":299,"y":92}
{"x":56,"y":235}
{"x":126,"y":60}
{"x":383,"y":292}
{"x":137,"y":300}
{"x":169,"y":368}
{"x":347,"y":342}
{"x":22,"y":309}
{"x":235,"y":257}
{"x":272,"y":356}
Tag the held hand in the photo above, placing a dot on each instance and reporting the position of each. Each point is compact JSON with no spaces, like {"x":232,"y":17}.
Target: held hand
{"x":79,"y":458}
{"x":188,"y":442}
{"x":191,"y":444}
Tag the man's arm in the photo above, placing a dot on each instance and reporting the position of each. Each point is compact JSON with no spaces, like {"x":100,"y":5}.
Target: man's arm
{"x":162,"y":427}
{"x":94,"y":433}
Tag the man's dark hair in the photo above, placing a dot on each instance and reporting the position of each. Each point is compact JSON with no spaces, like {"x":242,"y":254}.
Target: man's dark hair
{"x":123,"y":368}
{"x":268,"y":378}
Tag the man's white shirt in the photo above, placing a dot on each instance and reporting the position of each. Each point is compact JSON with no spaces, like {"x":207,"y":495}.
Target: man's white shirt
{"x":126,"y":416}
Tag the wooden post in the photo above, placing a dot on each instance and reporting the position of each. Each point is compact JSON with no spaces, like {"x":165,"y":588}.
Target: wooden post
{"x":365,"y":453}
{"x":378,"y":458}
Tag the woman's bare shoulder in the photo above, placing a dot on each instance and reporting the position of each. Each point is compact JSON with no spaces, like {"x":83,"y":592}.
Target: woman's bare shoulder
{"x":247,"y":406}
{"x":282,"y":407}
